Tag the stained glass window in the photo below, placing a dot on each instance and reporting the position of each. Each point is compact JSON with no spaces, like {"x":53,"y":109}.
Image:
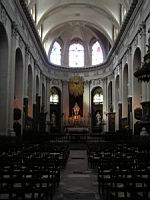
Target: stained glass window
{"x":97,"y":54}
{"x":55,"y":56}
{"x":76,"y":55}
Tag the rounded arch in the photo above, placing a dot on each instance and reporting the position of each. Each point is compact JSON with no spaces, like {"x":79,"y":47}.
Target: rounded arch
{"x":18,"y":89}
{"x":3,"y":78}
{"x":137,"y":86}
{"x":97,"y":109}
{"x":125,"y":92}
{"x":30,"y":91}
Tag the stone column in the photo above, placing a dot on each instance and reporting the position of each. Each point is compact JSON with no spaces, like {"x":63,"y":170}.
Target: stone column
{"x":47,"y":106}
{"x":65,"y":102}
{"x":87,"y":55}
{"x":142,"y":38}
{"x":105,"y":95}
{"x":27,"y":52}
{"x":120,"y":96}
{"x":86,"y":103}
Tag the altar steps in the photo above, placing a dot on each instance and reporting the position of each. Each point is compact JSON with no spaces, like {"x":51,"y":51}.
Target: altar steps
{"x":78,"y":146}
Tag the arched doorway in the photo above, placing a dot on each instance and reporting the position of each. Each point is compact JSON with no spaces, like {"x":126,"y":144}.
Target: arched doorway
{"x":3,"y":79}
{"x":18,"y":92}
{"x":55,"y":110}
{"x":97,"y":109}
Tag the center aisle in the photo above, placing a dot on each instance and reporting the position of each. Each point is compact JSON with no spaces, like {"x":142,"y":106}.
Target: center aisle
{"x":77,"y":180}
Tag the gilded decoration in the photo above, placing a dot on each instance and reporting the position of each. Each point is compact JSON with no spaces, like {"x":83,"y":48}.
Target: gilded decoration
{"x":76,"y":86}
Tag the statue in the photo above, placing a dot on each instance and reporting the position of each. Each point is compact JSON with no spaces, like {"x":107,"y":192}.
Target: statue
{"x":76,"y":109}
{"x":53,"y":119}
{"x":110,"y":107}
{"x":98,"y":118}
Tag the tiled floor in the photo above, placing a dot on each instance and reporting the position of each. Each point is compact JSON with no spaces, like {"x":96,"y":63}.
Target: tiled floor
{"x":78,"y":181}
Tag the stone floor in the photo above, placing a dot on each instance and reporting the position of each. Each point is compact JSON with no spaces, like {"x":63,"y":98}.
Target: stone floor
{"x":78,"y":181}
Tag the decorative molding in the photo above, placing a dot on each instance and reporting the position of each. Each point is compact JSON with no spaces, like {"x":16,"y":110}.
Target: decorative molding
{"x":96,"y":82}
{"x":86,"y":74}
{"x":87,"y":82}
{"x":27,"y":50}
{"x":55,"y":82}
{"x":129,"y":49}
{"x":125,"y":57}
{"x":65,"y":83}
{"x":21,"y":44}
{"x":14,"y":30}
{"x":3,"y":16}
{"x":118,"y":72}
{"x":135,"y":42}
{"x":142,"y":29}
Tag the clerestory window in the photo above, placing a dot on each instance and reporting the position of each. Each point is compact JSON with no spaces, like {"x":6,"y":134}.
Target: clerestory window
{"x":76,"y":55}
{"x":97,"y":54}
{"x":55,"y":55}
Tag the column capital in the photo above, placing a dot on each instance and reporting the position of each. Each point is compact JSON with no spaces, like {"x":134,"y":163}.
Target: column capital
{"x":142,"y":29}
{"x":14,"y":29}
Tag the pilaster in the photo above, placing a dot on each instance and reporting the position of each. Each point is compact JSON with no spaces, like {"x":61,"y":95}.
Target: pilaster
{"x":14,"y":34}
{"x":86,"y":102}
{"x":65,"y":101}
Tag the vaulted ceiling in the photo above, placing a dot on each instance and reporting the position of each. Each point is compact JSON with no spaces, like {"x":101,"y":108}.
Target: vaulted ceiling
{"x":67,"y":14}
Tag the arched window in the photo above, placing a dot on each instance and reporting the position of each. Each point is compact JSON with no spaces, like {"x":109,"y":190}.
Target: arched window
{"x":98,"y":98}
{"x":54,"y":98}
{"x":55,"y":55}
{"x":97,"y":54}
{"x":33,"y":12}
{"x":123,"y":13}
{"x":76,"y":55}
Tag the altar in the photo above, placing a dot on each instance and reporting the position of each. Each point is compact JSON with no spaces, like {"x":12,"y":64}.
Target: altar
{"x":78,"y":130}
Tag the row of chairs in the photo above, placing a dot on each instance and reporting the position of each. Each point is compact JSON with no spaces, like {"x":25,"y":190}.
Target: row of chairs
{"x":31,"y":172}
{"x":123,"y":171}
{"x":124,"y":178}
